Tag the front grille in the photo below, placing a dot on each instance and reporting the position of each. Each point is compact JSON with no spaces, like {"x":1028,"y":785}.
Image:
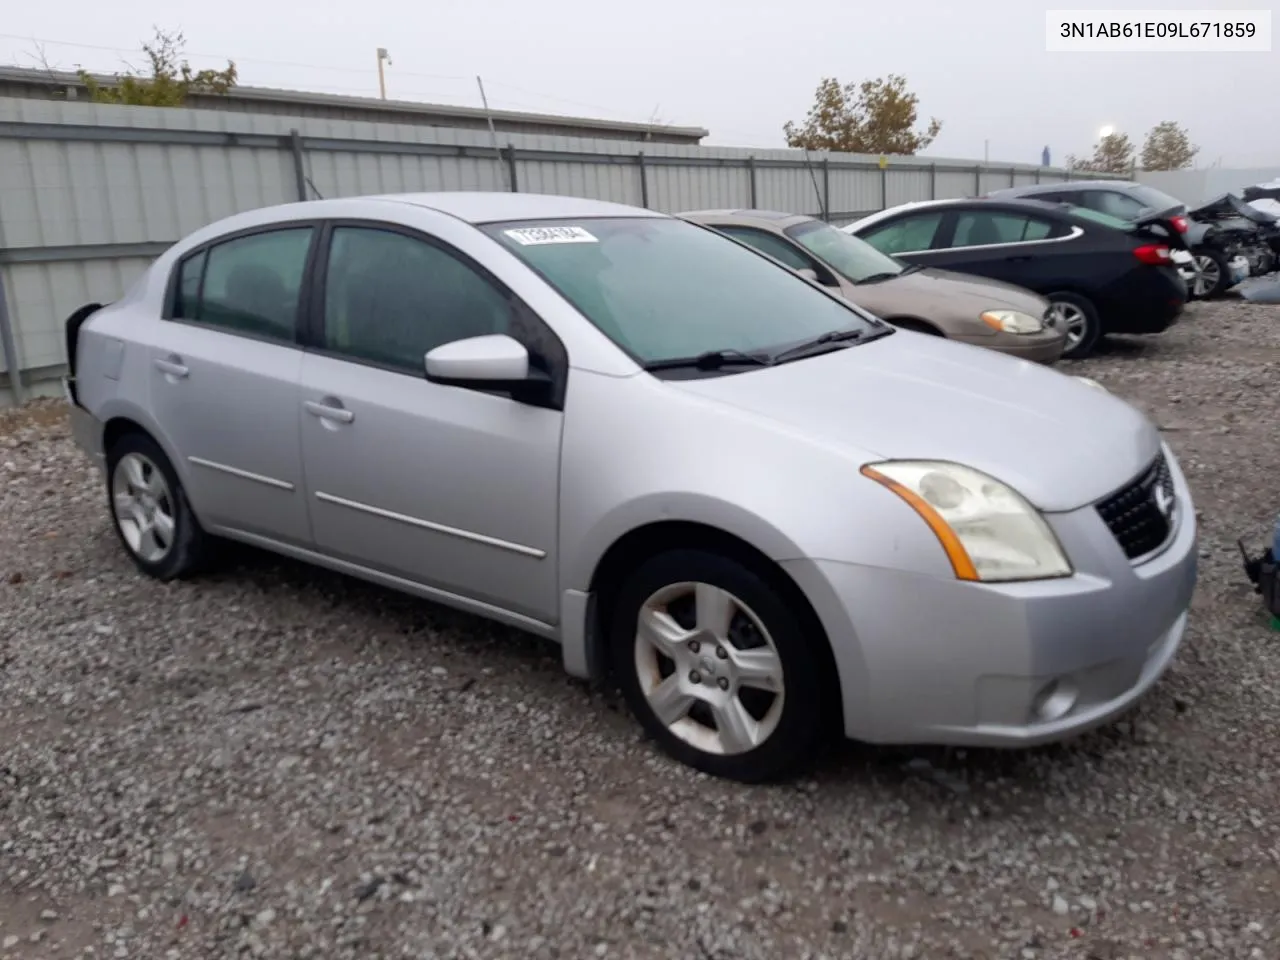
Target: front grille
{"x":1141,"y":515}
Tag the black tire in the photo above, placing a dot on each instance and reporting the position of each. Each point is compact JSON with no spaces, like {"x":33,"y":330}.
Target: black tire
{"x":190,"y":548}
{"x":798,"y":730}
{"x":1092,"y":332}
{"x":1221,"y":261}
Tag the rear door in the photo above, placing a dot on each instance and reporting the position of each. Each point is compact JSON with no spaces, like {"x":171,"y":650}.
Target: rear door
{"x":224,"y":369}
{"x":1018,"y":248}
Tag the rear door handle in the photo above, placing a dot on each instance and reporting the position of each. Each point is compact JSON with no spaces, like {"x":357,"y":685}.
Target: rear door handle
{"x":172,"y":366}
{"x":329,"y":409}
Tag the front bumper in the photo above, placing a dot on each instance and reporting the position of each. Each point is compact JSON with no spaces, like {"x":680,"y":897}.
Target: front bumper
{"x":1045,"y":347}
{"x":925,"y":660}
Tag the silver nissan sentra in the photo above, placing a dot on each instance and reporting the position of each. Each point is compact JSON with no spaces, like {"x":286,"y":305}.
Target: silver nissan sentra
{"x":762,"y":512}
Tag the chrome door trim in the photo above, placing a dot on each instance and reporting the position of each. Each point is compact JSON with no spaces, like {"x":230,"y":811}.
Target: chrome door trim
{"x":242,"y":474}
{"x":435,"y":527}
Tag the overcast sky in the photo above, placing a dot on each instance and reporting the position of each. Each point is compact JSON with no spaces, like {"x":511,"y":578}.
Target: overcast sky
{"x":740,"y":68}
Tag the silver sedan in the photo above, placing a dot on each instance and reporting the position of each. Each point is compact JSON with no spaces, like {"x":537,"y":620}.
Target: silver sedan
{"x":762,"y":512}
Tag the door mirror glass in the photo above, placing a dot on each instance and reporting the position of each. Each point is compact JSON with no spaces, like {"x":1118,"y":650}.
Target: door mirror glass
{"x":492,"y":358}
{"x":808,"y":274}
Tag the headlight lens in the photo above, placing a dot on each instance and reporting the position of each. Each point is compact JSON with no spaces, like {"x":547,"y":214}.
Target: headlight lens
{"x":1012,"y":321}
{"x":989,"y":532}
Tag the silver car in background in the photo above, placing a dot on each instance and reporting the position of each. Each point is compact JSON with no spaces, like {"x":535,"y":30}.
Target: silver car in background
{"x":762,"y":512}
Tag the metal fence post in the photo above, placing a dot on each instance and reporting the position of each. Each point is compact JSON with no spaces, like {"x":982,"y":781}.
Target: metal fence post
{"x":1013,"y":176}
{"x":299,"y":170}
{"x":1037,"y":174}
{"x":933,"y":181}
{"x":884,"y":187}
{"x":751,"y":172}
{"x":977,"y":180}
{"x":511,"y":167}
{"x":644,"y":180}
{"x":9,"y":347}
{"x":826,"y":188}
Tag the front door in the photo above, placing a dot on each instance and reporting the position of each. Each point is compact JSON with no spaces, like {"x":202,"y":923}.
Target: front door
{"x":225,"y":373}
{"x":453,"y":488}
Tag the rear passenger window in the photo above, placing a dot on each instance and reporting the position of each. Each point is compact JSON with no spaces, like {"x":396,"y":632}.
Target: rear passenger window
{"x":249,"y":285}
{"x":977,"y":229}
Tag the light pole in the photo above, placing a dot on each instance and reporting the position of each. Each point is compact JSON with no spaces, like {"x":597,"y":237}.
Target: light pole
{"x":382,"y":80}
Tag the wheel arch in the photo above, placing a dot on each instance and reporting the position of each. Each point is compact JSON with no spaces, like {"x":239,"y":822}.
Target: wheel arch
{"x":650,"y":539}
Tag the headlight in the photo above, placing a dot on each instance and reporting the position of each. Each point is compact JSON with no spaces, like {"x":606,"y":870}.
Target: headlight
{"x":989,"y":532}
{"x":1092,"y":383}
{"x":1012,"y":321}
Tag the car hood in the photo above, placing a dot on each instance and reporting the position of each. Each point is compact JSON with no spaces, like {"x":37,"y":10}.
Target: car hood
{"x":931,"y":292}
{"x":1058,"y":441}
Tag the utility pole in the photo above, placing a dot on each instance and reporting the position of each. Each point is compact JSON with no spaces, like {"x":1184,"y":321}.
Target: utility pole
{"x":493,"y":133}
{"x":382,"y":79}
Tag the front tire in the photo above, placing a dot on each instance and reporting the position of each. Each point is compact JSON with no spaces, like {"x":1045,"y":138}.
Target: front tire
{"x":1079,"y":318}
{"x":150,"y":511}
{"x":717,"y":666}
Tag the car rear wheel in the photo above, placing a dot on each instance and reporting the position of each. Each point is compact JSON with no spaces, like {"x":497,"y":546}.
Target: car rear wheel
{"x":150,"y":512}
{"x":1078,"y":318}
{"x":1212,"y":273}
{"x":717,"y":666}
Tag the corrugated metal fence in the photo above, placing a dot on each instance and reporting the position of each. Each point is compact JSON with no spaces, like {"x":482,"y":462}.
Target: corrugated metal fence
{"x":89,"y":194}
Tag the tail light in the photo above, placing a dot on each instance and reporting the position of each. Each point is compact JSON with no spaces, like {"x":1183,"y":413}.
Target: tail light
{"x":1155,"y":254}
{"x":1180,"y":223}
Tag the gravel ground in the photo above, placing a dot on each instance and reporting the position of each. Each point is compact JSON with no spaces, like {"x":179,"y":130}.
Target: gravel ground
{"x":278,"y":762}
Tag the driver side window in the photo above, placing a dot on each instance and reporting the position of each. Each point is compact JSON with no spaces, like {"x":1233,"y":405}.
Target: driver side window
{"x":390,"y":298}
{"x":775,"y":247}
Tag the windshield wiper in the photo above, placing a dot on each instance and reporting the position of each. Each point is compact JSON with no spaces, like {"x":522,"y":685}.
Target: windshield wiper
{"x":711,"y":360}
{"x":876,"y":277}
{"x":819,"y":343}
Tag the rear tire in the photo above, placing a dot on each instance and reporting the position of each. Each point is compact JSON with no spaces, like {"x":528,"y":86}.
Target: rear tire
{"x":1212,"y":273}
{"x":1079,"y":318}
{"x":150,"y":511}
{"x":717,"y":667}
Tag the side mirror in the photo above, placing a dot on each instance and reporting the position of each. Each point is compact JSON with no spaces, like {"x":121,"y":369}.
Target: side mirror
{"x":491,"y":362}
{"x":808,"y":274}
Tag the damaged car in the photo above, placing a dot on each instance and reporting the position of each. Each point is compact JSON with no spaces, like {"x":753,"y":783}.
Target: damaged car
{"x":1244,"y":231}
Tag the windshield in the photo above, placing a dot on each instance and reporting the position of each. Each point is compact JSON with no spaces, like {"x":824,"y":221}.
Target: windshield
{"x":843,"y":252}
{"x":664,"y":288}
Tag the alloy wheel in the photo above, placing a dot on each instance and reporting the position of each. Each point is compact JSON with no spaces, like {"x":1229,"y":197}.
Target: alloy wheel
{"x":1208,"y":274}
{"x":708,"y":668}
{"x":144,"y":507}
{"x":1070,"y":318}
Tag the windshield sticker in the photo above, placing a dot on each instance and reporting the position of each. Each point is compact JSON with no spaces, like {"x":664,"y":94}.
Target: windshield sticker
{"x":531,"y":236}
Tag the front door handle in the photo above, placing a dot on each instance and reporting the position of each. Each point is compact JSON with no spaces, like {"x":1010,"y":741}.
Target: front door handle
{"x":329,"y":409}
{"x":172,"y":366}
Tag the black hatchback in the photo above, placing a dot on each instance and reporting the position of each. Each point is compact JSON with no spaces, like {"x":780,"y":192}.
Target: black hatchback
{"x":1100,"y":273}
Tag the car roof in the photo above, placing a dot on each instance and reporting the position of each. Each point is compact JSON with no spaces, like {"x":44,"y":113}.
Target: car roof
{"x":772,"y":217}
{"x":1014,"y":204}
{"x":1031,"y":189}
{"x":492,"y":207}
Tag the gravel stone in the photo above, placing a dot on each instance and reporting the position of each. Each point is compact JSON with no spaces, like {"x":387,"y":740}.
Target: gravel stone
{"x":275,"y":761}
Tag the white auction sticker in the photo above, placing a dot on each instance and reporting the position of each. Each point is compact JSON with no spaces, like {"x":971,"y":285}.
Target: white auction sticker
{"x":529,"y":236}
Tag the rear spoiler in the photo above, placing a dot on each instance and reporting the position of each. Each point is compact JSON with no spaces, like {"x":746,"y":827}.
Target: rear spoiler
{"x":1164,"y":220}
{"x":71,"y":329}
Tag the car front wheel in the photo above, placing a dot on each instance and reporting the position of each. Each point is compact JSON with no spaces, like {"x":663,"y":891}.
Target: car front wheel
{"x":717,"y":666}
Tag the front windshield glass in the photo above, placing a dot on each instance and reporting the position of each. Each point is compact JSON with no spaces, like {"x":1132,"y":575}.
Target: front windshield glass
{"x":843,"y":252}
{"x":1097,"y":216}
{"x":664,"y":289}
